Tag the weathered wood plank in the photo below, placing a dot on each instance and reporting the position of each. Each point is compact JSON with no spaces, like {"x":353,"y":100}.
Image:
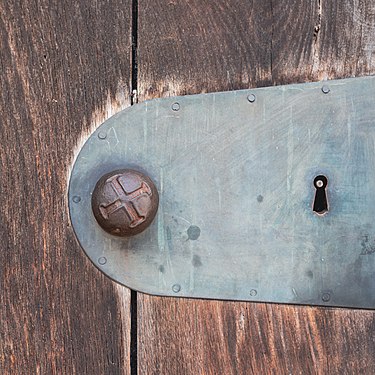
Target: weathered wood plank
{"x":65,"y":66}
{"x":196,"y":46}
{"x":213,"y":337}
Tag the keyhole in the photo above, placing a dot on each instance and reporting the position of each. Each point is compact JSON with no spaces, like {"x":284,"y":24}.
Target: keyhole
{"x":320,"y":205}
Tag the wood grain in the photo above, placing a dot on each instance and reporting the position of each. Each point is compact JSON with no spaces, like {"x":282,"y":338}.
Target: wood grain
{"x":179,"y":336}
{"x":193,"y":46}
{"x":65,"y":66}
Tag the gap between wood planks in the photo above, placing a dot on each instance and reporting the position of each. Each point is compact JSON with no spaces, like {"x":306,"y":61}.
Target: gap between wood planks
{"x":134,"y":100}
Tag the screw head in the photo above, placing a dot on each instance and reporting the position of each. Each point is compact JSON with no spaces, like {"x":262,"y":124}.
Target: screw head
{"x":125,"y":202}
{"x":76,"y":199}
{"x":176,"y":288}
{"x":326,"y":297}
{"x":251,"y":98}
{"x":326,"y":89}
{"x":175,"y":106}
{"x":102,"y":135}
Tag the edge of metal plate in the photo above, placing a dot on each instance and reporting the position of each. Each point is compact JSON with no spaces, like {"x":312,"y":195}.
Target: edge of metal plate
{"x":235,"y":172}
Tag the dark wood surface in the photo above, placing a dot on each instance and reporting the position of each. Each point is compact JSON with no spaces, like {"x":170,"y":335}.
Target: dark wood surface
{"x":64,"y":67}
{"x":194,"y":46}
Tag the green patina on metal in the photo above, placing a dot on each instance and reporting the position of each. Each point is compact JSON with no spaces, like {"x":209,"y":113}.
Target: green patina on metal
{"x":237,"y":179}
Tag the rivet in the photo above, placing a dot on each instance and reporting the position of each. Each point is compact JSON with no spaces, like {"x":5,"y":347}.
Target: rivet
{"x":176,"y":288}
{"x":326,"y":89}
{"x":175,"y":106}
{"x":251,"y":98}
{"x":253,"y":292}
{"x":127,"y":190}
{"x":102,"y":260}
{"x":326,"y":297}
{"x":102,"y":135}
{"x":76,"y":199}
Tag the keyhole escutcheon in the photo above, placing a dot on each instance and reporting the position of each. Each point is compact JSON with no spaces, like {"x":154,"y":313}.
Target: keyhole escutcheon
{"x":320,"y":205}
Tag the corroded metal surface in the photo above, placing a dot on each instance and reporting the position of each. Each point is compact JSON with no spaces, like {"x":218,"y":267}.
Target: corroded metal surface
{"x":265,"y":194}
{"x":125,"y":202}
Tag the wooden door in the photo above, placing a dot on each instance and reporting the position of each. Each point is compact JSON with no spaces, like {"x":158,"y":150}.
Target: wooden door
{"x":68,"y":65}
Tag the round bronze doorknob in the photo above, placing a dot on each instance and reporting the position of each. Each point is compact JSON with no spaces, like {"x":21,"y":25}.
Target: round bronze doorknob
{"x":125,"y":202}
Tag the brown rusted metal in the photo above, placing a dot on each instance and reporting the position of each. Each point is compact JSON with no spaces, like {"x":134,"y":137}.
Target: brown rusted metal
{"x":125,"y":202}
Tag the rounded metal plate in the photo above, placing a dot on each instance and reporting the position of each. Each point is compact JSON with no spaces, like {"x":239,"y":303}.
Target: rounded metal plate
{"x":235,"y":180}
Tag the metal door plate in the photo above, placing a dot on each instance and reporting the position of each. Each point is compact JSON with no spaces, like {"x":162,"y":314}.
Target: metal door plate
{"x":235,"y":173}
